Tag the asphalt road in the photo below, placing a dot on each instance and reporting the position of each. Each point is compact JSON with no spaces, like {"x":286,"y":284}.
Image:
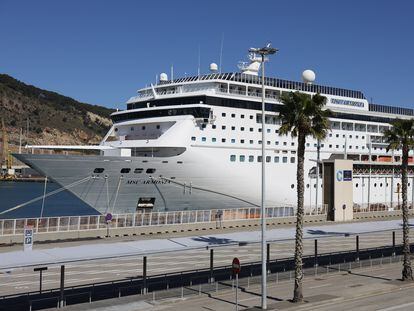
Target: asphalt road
{"x":23,"y":280}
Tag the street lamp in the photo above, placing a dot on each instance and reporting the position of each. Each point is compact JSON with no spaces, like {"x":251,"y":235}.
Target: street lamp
{"x":263,"y":52}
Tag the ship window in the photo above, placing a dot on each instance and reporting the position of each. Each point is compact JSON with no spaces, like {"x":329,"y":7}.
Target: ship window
{"x":223,"y":140}
{"x":268,"y":142}
{"x":268,"y":130}
{"x":284,"y":159}
{"x":292,"y":160}
{"x":242,"y":158}
{"x":242,"y":141}
{"x":259,"y":159}
{"x":242,"y":128}
{"x":138,"y":170}
{"x":251,"y":117}
{"x":276,"y":159}
{"x":158,"y":127}
{"x":242,"y":116}
{"x":260,"y":142}
{"x":233,"y":140}
{"x":292,"y":186}
{"x":276,"y":143}
{"x":251,"y":158}
{"x":251,"y":141}
{"x":251,"y":129}
{"x":98,"y":170}
{"x":203,"y":126}
{"x":179,"y":162}
{"x":213,"y":139}
{"x":233,"y":158}
{"x":193,"y":138}
{"x":260,"y":130}
{"x":268,"y":159}
{"x":143,"y":128}
{"x":223,"y":114}
{"x":233,"y":115}
{"x":125,"y":170}
{"x":223,"y":127}
{"x":277,"y":131}
{"x":233,"y":128}
{"x":164,"y":161}
{"x":203,"y":139}
{"x":284,"y":143}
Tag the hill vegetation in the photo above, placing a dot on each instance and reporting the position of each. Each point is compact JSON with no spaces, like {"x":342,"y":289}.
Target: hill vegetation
{"x":47,"y":117}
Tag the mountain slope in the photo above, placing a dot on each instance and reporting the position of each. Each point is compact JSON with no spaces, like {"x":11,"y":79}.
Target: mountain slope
{"x":51,"y":118}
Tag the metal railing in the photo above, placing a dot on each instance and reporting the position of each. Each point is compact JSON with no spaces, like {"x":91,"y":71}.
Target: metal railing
{"x":381,"y":207}
{"x":140,"y":219}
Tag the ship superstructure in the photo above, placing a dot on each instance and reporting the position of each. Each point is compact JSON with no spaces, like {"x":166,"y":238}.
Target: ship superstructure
{"x":195,"y":143}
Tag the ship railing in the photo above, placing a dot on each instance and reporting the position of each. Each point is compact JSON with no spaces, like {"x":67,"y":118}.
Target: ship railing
{"x":145,"y":219}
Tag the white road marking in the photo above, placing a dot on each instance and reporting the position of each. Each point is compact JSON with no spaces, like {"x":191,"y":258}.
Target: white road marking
{"x":399,"y":307}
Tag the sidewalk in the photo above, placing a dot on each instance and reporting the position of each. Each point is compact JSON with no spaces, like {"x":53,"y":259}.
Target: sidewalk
{"x":376,"y":288}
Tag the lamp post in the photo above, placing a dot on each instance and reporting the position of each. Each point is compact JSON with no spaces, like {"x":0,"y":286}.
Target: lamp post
{"x":263,"y":52}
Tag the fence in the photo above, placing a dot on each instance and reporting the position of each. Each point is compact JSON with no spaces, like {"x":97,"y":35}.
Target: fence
{"x":96,"y":222}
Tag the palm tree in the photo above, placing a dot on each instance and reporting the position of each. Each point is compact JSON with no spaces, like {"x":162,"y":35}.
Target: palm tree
{"x":302,"y":115}
{"x":401,"y":135}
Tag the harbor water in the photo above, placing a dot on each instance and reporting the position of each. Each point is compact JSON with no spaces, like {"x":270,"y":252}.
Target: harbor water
{"x":61,"y":204}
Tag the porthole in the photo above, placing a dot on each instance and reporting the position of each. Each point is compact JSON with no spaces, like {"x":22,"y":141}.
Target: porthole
{"x":138,"y":170}
{"x":307,"y":186}
{"x":98,"y":170}
{"x":292,"y":186}
{"x":125,"y":170}
{"x":356,"y":185}
{"x":150,"y":170}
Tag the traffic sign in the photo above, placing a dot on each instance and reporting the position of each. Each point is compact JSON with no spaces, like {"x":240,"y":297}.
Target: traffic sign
{"x":235,"y":265}
{"x":108,"y":217}
{"x":28,"y":238}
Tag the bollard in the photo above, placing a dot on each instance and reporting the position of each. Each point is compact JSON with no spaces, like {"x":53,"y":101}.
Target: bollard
{"x":153,"y":296}
{"x":268,"y":257}
{"x":62,"y":285}
{"x":216,"y":287}
{"x":357,"y":248}
{"x":211,"y":265}
{"x":144,"y":274}
{"x":316,"y":253}
{"x":182,"y":292}
{"x":393,"y":244}
{"x":277,"y":277}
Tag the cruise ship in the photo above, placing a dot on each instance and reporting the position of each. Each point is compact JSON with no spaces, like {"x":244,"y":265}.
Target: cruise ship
{"x":194,"y":143}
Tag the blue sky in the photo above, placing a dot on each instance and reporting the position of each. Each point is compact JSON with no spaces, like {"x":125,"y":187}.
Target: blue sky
{"x":101,"y":52}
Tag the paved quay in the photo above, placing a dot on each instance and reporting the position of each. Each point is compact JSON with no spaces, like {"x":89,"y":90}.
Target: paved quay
{"x":362,"y":289}
{"x":57,"y":255}
{"x":330,"y":239}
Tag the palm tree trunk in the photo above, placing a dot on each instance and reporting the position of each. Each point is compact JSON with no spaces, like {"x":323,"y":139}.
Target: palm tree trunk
{"x":297,"y":293}
{"x":407,"y":273}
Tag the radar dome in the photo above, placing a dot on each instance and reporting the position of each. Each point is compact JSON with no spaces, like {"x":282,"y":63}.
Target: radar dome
{"x":308,"y":76}
{"x":163,"y":77}
{"x":213,"y":67}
